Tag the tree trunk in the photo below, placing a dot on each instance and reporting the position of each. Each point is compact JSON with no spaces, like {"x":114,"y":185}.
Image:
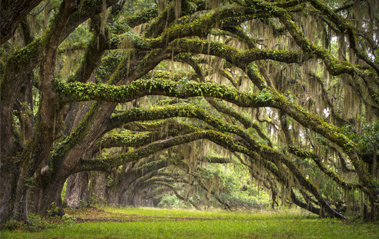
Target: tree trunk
{"x":51,"y":203}
{"x":7,"y":192}
{"x":113,"y":195}
{"x":77,"y":191}
{"x":97,"y":188}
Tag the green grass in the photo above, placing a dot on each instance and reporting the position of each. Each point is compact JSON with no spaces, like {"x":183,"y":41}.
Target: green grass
{"x":214,"y":214}
{"x":160,"y":223}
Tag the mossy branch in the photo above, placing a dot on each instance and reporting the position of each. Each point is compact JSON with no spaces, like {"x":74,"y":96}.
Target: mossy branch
{"x":179,"y":111}
{"x":137,"y":140}
{"x":76,"y":92}
{"x":85,"y":92}
{"x":334,"y":66}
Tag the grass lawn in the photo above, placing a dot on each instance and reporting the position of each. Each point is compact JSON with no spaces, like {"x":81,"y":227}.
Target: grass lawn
{"x":163,"y":223}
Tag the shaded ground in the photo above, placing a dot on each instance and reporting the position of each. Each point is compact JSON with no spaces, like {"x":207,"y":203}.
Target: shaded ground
{"x":92,"y":214}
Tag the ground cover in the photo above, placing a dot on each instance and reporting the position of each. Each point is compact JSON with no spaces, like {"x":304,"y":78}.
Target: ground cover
{"x":164,"y":223}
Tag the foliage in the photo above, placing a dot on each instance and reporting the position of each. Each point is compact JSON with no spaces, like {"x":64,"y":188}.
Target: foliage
{"x":370,"y":137}
{"x":172,"y":202}
{"x":54,"y":209}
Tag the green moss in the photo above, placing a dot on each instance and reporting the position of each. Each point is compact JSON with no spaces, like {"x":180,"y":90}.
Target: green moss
{"x":140,"y":17}
{"x":90,"y":91}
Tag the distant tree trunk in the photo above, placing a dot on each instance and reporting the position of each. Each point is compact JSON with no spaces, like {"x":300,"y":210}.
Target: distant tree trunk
{"x":98,"y":181}
{"x":116,"y":191}
{"x":77,"y":191}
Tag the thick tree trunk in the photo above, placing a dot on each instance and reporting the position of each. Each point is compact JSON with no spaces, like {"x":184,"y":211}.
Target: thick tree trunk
{"x":51,"y":203}
{"x":35,"y":199}
{"x":8,"y":180}
{"x":52,"y":184}
{"x":14,"y":182}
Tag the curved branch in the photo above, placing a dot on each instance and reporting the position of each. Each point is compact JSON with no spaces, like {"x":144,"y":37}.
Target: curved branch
{"x":75,"y":92}
{"x":179,"y":111}
{"x":218,"y":138}
{"x":12,"y":13}
{"x":344,"y":27}
{"x":269,"y":98}
{"x":141,"y":139}
{"x":221,"y":108}
{"x":305,"y":154}
{"x":333,"y":65}
{"x":176,"y":193}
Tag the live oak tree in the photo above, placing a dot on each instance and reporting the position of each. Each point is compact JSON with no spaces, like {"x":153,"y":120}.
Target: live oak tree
{"x":290,"y":88}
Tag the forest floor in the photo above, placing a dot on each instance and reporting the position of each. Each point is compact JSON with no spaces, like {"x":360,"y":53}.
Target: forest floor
{"x":164,"y":223}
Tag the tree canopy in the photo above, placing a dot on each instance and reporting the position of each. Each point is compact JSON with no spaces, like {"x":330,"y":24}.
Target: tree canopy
{"x":163,"y":90}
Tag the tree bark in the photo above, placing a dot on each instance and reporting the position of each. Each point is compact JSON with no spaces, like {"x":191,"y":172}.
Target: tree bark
{"x":7,"y":178}
{"x":13,"y":13}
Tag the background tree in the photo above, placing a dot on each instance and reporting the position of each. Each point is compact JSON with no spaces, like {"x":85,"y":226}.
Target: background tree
{"x":290,"y":88}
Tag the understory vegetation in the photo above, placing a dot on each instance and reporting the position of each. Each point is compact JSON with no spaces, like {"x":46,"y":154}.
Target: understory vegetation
{"x":234,"y":105}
